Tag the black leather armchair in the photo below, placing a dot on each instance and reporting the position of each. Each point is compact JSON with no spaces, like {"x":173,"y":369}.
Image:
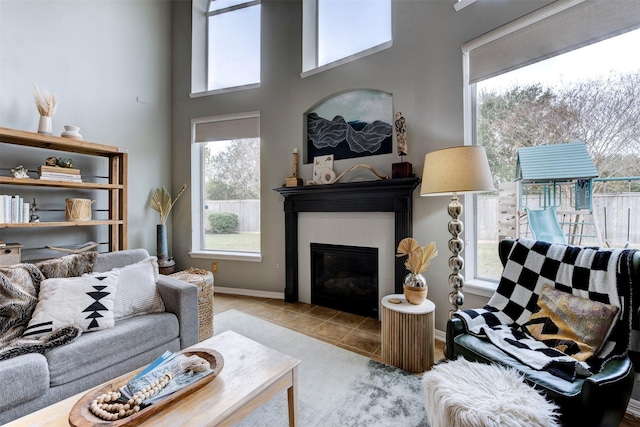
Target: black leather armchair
{"x":599,"y":400}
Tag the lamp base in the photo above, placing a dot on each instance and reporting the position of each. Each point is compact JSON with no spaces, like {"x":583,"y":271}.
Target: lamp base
{"x":401,"y":170}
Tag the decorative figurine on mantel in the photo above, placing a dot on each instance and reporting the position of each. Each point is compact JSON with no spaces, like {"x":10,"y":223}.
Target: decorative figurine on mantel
{"x":294,"y":180}
{"x":402,"y":169}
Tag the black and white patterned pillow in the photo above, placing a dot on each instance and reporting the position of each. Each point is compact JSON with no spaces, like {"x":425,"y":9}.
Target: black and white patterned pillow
{"x":86,"y":302}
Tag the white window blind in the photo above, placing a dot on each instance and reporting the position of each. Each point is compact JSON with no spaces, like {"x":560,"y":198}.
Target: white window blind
{"x":228,"y":129}
{"x":560,"y":27}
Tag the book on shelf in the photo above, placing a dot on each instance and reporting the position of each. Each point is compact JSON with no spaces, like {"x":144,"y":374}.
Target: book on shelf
{"x":50,"y":176}
{"x":13,"y":209}
{"x":58,"y":169}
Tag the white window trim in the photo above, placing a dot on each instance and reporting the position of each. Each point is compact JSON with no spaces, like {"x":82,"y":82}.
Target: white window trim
{"x":199,"y":17}
{"x":197,"y":150}
{"x":310,"y":43}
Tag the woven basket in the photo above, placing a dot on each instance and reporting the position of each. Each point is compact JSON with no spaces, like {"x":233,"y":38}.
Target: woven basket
{"x":203,"y":279}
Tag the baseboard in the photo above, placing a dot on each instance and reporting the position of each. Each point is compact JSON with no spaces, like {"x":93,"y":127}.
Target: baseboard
{"x":249,"y":292}
{"x":440,"y":335}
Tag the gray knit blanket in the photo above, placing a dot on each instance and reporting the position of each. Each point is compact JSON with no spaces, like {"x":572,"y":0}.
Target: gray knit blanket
{"x":19,"y":288}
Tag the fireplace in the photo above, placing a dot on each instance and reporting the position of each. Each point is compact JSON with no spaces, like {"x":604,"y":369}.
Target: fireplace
{"x":345,"y":278}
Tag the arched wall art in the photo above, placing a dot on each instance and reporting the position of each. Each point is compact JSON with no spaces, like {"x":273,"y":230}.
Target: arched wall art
{"x":352,"y":124}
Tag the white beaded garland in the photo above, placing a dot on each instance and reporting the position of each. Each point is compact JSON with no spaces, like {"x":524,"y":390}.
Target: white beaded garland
{"x":104,"y":409}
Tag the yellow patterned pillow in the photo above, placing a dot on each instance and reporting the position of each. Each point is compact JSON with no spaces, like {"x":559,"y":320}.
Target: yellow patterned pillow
{"x":574,"y":325}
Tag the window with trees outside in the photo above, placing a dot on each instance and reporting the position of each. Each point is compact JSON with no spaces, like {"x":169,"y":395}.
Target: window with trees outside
{"x":233,"y":43}
{"x":590,"y":95}
{"x":334,"y":30}
{"x":226,"y":172}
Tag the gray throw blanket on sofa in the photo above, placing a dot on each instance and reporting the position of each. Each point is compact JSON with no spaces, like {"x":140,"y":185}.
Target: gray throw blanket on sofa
{"x":19,"y":287}
{"x":598,"y":274}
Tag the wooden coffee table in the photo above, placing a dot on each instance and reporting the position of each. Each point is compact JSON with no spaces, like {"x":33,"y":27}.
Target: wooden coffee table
{"x":251,"y":376}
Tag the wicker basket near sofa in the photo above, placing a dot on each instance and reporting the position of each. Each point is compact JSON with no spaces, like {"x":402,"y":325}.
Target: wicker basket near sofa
{"x":203,"y":279}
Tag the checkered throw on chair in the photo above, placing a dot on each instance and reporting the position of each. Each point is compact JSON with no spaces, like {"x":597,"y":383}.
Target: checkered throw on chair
{"x":601,"y":275}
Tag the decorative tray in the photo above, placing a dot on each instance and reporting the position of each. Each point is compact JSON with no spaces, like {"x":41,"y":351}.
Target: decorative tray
{"x":81,"y":416}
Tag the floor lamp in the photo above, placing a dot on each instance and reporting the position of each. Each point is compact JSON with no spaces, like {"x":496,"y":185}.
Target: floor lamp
{"x":453,"y":171}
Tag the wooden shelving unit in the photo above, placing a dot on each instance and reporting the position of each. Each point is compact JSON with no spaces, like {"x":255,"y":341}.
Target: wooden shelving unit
{"x":116,"y":186}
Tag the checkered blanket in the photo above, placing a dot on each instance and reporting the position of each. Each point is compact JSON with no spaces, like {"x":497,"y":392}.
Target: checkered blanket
{"x":598,"y":274}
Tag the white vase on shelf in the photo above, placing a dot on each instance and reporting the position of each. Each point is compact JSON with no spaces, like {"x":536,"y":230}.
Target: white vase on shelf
{"x":44,"y":126}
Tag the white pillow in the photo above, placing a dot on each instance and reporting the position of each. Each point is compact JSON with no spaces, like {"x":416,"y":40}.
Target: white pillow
{"x":137,"y":290}
{"x":86,"y":302}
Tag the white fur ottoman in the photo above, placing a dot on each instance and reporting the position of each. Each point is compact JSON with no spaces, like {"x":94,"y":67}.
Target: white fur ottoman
{"x":466,"y":394}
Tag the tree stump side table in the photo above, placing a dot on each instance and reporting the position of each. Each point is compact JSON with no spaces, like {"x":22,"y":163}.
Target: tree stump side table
{"x":408,"y":334}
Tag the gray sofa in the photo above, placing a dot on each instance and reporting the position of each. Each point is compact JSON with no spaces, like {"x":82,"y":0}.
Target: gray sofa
{"x":33,"y":381}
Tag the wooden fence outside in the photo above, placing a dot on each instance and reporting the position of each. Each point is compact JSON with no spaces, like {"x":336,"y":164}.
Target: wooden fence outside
{"x":622,"y":216}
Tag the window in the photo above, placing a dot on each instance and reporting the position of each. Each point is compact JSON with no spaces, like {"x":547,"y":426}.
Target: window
{"x":336,"y":31}
{"x":233,"y":43}
{"x":583,"y":86}
{"x":226,"y":175}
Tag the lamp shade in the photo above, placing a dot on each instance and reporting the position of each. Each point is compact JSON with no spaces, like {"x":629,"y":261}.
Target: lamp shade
{"x":463,"y":169}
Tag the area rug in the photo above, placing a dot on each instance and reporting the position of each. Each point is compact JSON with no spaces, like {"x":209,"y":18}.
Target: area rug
{"x":336,"y":387}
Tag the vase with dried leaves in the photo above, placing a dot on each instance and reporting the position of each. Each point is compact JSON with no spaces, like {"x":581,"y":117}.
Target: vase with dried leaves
{"x":162,"y":203}
{"x":418,"y":261}
{"x":46,"y":107}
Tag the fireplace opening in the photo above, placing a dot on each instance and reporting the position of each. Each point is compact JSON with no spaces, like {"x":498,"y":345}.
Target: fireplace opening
{"x":345,"y":278}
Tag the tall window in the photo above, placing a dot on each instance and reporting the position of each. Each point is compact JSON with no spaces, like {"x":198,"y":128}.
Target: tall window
{"x":233,"y":48}
{"x":589,"y":94}
{"x":226,"y":174}
{"x":337,"y":29}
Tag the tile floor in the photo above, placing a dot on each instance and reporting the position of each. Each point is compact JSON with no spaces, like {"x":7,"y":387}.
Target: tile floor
{"x":348,"y":331}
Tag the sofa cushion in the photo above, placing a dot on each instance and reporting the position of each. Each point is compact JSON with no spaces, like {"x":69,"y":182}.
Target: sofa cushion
{"x":137,"y":291}
{"x":26,"y":377}
{"x":73,"y":265}
{"x":105,"y":348}
{"x":86,"y":302}
{"x":574,"y":325}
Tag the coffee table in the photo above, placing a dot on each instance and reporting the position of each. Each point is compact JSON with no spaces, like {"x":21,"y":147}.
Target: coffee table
{"x":252,"y":375}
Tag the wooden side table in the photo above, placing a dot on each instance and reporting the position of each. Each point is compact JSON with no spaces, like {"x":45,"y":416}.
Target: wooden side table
{"x":408,"y":334}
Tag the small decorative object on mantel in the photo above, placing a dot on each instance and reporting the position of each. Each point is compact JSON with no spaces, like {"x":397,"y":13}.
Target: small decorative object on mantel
{"x":402,"y":169}
{"x":294,"y":180}
{"x":323,"y":170}
{"x":418,"y":261}
{"x":161,"y":202}
{"x":351,"y":169}
{"x":20,"y":172}
{"x":47,"y":108}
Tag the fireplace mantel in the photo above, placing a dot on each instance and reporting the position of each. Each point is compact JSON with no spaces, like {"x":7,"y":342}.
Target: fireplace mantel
{"x":388,"y":195}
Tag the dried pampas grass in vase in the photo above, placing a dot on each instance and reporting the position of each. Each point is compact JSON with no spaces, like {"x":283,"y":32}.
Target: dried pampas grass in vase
{"x":46,"y":107}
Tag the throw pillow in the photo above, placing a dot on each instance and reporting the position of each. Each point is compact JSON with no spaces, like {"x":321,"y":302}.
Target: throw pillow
{"x":86,"y":302}
{"x":574,"y":325}
{"x":74,"y":265}
{"x":137,"y":291}
{"x":19,"y":287}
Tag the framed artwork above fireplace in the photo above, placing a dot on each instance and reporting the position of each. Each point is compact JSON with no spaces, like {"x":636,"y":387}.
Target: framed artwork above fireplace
{"x":351,"y":124}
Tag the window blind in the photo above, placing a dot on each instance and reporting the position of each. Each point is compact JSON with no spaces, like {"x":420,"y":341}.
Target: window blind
{"x":555,"y":29}
{"x":227,"y":129}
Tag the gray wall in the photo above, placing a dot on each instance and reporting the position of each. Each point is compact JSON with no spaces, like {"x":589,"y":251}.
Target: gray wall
{"x":423,"y":71}
{"x":97,"y":57}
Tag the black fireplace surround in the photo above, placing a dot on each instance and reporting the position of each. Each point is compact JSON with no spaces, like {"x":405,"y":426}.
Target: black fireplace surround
{"x":387,"y":195}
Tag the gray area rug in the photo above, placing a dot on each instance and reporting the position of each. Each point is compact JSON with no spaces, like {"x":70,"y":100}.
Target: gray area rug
{"x":336,"y":388}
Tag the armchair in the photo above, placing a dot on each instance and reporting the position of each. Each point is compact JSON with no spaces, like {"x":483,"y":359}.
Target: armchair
{"x":597,"y":400}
